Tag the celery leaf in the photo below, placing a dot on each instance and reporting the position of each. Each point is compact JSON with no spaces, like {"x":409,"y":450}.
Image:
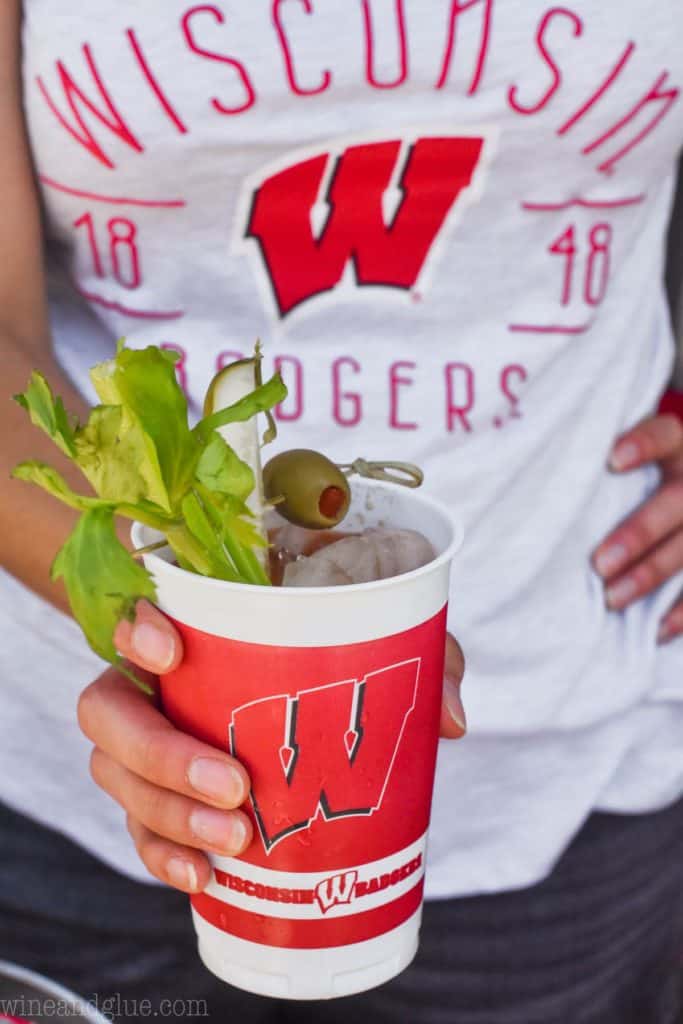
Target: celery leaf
{"x":144,"y":382}
{"x":118,"y":458}
{"x":102,"y":579}
{"x":221,"y":469}
{"x":47,"y":412}
{"x":262,"y":398}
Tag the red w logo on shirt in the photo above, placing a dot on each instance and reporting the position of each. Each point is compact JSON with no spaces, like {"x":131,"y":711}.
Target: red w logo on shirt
{"x":328,"y":749}
{"x":379,"y":207}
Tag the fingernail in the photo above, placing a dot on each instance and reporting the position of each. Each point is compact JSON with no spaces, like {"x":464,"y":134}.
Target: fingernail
{"x":621,"y":593}
{"x":451,"y":696}
{"x":665,"y":632}
{"x":624,"y":455}
{"x":182,"y":874}
{"x":224,"y":832}
{"x":611,"y":559}
{"x":155,"y":647}
{"x":217,"y":780}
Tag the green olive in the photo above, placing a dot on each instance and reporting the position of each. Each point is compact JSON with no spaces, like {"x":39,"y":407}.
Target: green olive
{"x":306,"y":488}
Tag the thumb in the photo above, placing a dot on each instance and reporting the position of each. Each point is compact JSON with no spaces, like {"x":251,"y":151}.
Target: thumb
{"x":150,"y":641}
{"x":453,"y":721}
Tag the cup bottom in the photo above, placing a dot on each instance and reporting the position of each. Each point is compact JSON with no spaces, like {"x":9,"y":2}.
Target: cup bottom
{"x":307,"y":973}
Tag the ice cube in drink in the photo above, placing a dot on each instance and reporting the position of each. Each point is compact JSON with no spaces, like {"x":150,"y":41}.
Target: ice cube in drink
{"x":332,"y":558}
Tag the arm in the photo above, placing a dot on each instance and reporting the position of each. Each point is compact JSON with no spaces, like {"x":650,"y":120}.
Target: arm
{"x":32,"y":526}
{"x":135,"y":743}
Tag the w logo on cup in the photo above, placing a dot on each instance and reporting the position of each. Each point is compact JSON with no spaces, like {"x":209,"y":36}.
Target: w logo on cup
{"x":334,"y":891}
{"x":379,"y":207}
{"x":327,"y":750}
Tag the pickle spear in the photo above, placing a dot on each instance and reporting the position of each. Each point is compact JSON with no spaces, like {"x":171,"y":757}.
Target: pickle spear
{"x":228,"y":386}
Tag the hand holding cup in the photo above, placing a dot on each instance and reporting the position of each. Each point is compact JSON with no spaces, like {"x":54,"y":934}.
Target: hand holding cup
{"x":177,"y":791}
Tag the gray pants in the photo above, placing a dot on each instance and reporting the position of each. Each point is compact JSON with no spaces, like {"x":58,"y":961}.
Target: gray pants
{"x":598,"y":942}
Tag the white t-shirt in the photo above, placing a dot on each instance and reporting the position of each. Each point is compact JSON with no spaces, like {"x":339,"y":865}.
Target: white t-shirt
{"x":446,"y":222}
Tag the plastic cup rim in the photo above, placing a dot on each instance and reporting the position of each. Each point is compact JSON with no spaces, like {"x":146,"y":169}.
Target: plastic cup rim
{"x":49,"y":989}
{"x":161,"y":565}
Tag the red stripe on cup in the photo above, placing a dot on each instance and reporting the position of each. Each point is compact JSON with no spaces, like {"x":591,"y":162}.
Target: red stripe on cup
{"x":324,"y":934}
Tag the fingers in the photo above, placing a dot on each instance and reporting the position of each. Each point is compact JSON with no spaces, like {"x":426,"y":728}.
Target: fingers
{"x":453,"y":721}
{"x":671,"y":625}
{"x":151,"y":641}
{"x":656,"y":520}
{"x":647,"y":548}
{"x":647,"y":574}
{"x":657,"y":439}
{"x":178,"y":866}
{"x":125,"y":725}
{"x":164,"y":780}
{"x":169,"y":815}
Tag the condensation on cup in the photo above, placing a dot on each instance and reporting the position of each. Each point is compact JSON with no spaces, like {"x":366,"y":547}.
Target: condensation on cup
{"x":331,"y":698}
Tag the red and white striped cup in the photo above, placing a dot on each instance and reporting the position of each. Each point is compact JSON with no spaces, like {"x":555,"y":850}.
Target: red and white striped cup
{"x":330,"y":697}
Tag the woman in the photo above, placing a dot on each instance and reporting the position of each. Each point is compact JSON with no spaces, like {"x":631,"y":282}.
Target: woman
{"x":479,"y":193}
